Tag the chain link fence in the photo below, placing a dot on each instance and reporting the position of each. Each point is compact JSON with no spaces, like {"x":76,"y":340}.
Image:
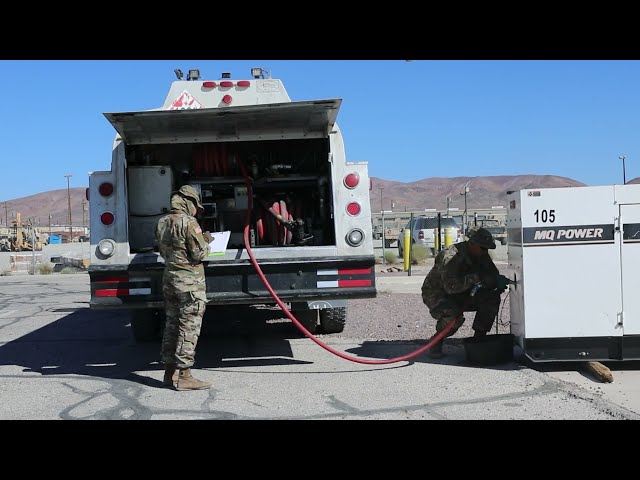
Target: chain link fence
{"x":52,"y":258}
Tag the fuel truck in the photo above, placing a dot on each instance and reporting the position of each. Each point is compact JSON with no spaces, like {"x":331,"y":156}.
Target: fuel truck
{"x":275,"y":182}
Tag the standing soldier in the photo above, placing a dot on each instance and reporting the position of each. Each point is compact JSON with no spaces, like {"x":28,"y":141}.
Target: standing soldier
{"x":183,"y":247}
{"x":464,"y":279}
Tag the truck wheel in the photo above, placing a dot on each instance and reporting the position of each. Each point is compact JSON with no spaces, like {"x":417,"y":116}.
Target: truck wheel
{"x":146,"y":324}
{"x":332,"y":320}
{"x":503,"y":241}
{"x":308,"y":319}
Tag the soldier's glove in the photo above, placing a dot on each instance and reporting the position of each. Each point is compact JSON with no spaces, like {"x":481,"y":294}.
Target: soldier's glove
{"x":208,"y":237}
{"x":502,"y":283}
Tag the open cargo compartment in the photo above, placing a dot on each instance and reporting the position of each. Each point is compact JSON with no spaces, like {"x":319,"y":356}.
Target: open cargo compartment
{"x":290,"y":177}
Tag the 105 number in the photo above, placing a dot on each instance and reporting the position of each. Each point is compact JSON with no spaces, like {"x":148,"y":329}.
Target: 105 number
{"x":545,"y":216}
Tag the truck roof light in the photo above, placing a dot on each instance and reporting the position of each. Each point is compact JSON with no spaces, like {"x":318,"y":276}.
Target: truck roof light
{"x":244,"y":83}
{"x":107,"y":218}
{"x":353,"y":208}
{"x":105,"y":189}
{"x":226,"y":75}
{"x":256,"y":72}
{"x":209,"y":84}
{"x":352,"y":180}
{"x":227,"y":99}
{"x":226,"y":84}
{"x":194,"y":74}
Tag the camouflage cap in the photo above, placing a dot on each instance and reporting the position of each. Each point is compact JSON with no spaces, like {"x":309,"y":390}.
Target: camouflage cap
{"x":188,"y":191}
{"x":483,"y":238}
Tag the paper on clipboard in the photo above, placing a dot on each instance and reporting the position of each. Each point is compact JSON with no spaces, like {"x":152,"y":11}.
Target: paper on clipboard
{"x":218,"y":246}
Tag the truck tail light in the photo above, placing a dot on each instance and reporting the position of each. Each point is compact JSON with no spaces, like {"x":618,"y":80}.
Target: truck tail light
{"x":421,"y":235}
{"x":107,"y":247}
{"x":352,"y":180}
{"x":105,"y":189}
{"x":353,"y":208}
{"x":107,"y":218}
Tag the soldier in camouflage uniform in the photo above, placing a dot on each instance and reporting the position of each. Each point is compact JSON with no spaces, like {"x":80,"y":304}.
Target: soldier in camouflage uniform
{"x":447,"y":288}
{"x":183,"y":247}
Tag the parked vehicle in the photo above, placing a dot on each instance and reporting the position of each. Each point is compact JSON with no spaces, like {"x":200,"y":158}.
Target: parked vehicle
{"x":423,"y":232}
{"x":271,"y":172}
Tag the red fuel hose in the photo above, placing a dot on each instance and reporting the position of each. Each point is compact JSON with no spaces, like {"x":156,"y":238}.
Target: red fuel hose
{"x":284,"y":308}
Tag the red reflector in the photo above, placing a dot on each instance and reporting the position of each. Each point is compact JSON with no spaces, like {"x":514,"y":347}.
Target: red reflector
{"x":227,"y":99}
{"x":208,"y":84}
{"x":353,"y":208}
{"x":226,"y":84}
{"x":113,"y":280}
{"x":105,"y":189}
{"x":112,"y":292}
{"x":352,"y":180}
{"x":354,"y":283}
{"x":244,"y":83}
{"x":107,"y":218}
{"x":354,"y":271}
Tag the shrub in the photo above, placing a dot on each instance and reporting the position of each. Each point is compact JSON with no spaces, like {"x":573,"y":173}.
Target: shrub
{"x":419,"y":254}
{"x":68,"y":270}
{"x":390,"y":256}
{"x":45,"y":268}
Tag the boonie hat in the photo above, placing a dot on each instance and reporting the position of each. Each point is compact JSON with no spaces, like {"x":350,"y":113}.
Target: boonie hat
{"x":483,"y":238}
{"x":189,"y":192}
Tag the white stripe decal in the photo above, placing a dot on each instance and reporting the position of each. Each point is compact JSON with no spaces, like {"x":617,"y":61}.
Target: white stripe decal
{"x":328,"y":284}
{"x":327,"y":272}
{"x":140,"y":291}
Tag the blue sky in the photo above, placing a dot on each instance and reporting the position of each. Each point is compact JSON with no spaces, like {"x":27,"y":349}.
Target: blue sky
{"x":409,"y":120}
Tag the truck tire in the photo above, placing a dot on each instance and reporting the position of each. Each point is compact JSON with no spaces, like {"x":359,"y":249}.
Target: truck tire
{"x":308,"y":319}
{"x":332,"y":320}
{"x":146,"y":324}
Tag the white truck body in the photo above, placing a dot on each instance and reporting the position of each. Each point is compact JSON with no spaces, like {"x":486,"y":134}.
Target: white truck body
{"x":217,"y":136}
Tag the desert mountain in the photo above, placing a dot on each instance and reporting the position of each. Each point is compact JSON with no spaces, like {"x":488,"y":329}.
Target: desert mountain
{"x":484,"y":192}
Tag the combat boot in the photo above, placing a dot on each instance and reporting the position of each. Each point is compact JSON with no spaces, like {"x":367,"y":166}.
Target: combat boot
{"x":170,"y":376}
{"x":186,"y":381}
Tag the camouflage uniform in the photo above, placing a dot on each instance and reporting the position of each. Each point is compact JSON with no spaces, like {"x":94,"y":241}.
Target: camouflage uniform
{"x":183,"y":248}
{"x":446,"y":289}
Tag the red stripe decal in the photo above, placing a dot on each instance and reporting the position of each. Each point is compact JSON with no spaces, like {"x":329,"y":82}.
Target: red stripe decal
{"x":112,"y":292}
{"x":114,"y":280}
{"x":354,"y":283}
{"x":354,"y":271}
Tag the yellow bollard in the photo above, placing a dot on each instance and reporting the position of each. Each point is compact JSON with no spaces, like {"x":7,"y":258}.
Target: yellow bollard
{"x":406,"y":249}
{"x":448,"y":236}
{"x":436,"y":240}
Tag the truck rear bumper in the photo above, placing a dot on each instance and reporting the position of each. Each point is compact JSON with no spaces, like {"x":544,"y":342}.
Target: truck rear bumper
{"x":140,"y":286}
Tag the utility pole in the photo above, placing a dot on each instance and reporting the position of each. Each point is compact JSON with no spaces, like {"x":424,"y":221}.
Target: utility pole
{"x":83,"y":214}
{"x":381,"y":188}
{"x":49,"y":225}
{"x":624,"y":173}
{"x":464,"y":216}
{"x":448,"y":203}
{"x":6,"y":214}
{"x":69,"y":204}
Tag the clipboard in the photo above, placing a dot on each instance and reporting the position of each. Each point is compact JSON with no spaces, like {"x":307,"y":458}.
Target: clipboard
{"x":218,"y":246}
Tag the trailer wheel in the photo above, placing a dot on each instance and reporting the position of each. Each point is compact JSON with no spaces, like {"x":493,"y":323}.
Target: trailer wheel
{"x":332,"y":320}
{"x":146,"y":324}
